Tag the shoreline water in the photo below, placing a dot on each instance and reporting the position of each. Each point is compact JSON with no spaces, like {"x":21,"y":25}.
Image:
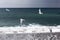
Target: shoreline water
{"x":29,"y":29}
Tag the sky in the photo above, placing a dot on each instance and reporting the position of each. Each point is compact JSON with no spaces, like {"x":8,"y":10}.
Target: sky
{"x":29,"y":3}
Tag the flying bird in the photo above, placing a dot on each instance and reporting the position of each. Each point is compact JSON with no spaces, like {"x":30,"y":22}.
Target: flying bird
{"x":40,"y":11}
{"x":7,"y":10}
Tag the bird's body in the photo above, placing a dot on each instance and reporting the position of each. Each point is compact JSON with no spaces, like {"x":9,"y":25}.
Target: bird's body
{"x":40,"y":11}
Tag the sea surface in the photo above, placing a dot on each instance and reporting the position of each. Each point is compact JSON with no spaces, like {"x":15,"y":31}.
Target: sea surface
{"x":12,"y":16}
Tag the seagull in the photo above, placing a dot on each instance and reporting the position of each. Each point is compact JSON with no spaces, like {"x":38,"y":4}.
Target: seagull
{"x":21,"y":21}
{"x":7,"y":10}
{"x":40,"y":12}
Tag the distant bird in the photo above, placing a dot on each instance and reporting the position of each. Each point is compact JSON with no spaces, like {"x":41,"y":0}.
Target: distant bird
{"x":21,"y":21}
{"x":40,"y":11}
{"x":7,"y":10}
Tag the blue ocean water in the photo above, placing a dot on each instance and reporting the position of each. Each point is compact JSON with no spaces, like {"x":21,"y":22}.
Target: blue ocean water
{"x":12,"y":16}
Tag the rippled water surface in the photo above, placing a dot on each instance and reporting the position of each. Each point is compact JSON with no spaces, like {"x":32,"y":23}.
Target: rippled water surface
{"x":12,"y":16}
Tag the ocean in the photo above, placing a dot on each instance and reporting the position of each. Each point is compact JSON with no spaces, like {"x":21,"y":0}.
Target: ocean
{"x":12,"y":16}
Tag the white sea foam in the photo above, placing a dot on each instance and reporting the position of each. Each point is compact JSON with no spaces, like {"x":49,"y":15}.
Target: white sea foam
{"x":31,"y":28}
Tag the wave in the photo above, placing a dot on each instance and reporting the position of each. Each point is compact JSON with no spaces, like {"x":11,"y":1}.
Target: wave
{"x":31,"y":28}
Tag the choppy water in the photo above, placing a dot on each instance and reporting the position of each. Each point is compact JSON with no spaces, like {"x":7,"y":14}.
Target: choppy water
{"x":12,"y":16}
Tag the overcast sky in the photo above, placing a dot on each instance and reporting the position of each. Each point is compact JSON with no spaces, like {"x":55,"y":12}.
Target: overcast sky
{"x":29,"y":3}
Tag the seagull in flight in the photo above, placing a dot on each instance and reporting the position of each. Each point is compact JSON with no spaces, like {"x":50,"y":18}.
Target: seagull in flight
{"x":40,"y":11}
{"x":7,"y":10}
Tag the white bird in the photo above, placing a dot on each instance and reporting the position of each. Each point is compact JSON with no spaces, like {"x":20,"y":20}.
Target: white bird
{"x":7,"y":9}
{"x":21,"y":21}
{"x":40,"y":11}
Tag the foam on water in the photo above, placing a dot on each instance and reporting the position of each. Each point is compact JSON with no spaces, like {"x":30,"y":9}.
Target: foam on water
{"x":31,"y":28}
